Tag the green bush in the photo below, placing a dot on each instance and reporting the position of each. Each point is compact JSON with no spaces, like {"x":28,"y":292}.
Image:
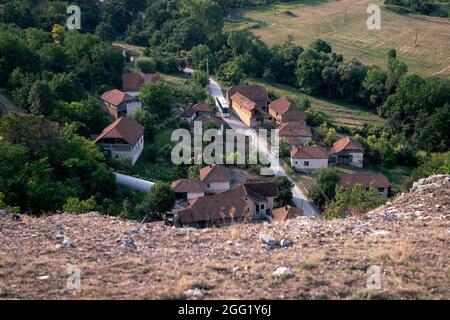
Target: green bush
{"x":146,"y":65}
{"x":75,"y":205}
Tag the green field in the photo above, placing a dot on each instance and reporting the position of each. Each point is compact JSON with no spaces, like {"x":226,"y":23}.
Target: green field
{"x":340,"y":113}
{"x":342,"y":23}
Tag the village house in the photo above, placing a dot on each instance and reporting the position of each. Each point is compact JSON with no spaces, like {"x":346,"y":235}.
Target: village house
{"x":365,"y":180}
{"x":246,"y":110}
{"x":254,"y":92}
{"x":119,"y":104}
{"x":309,"y":158}
{"x":188,"y":189}
{"x":200,"y":109}
{"x":285,"y":213}
{"x":124,"y":138}
{"x":215,"y":178}
{"x":347,"y":151}
{"x":132,"y":82}
{"x":246,"y":203}
{"x":297,"y":133}
{"x":282,"y":110}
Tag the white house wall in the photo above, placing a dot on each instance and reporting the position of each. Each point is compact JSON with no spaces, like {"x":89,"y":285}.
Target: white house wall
{"x":298,"y":164}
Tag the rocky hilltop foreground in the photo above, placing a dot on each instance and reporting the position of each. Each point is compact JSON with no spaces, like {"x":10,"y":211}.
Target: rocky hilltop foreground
{"x":407,"y":238}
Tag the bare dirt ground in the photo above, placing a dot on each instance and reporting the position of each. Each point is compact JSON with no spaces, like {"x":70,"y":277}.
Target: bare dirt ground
{"x":408,"y":239}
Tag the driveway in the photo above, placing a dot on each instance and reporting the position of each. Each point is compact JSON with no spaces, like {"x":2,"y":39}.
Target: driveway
{"x":300,"y":199}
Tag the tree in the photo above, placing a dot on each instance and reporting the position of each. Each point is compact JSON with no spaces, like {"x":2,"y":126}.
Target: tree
{"x":375,"y":85}
{"x":353,"y":200}
{"x":284,"y":186}
{"x":231,"y":72}
{"x":105,"y":31}
{"x":53,"y":57}
{"x":285,"y":148}
{"x":194,"y":172}
{"x":201,"y":78}
{"x":148,"y":122}
{"x":156,"y":99}
{"x":321,"y":46}
{"x":75,"y":205}
{"x":160,"y":199}
{"x":41,"y":99}
{"x":146,"y":65}
{"x":66,"y":87}
{"x":322,"y":189}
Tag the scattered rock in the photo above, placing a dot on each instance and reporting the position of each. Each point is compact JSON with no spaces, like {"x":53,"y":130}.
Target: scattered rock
{"x":43,"y":277}
{"x":128,"y":244}
{"x":2,"y":213}
{"x":194,"y":294}
{"x":17,"y":217}
{"x":285,"y":243}
{"x":268,"y":240}
{"x":283,"y":273}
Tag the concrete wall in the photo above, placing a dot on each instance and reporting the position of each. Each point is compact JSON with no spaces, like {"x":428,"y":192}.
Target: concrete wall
{"x":243,"y":114}
{"x":299,"y":164}
{"x":358,"y":158}
{"x":133,"y":107}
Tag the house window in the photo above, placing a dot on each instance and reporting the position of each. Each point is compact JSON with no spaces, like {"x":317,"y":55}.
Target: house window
{"x":257,"y":207}
{"x":262,"y":207}
{"x":296,"y":162}
{"x":306,"y":163}
{"x":208,"y":185}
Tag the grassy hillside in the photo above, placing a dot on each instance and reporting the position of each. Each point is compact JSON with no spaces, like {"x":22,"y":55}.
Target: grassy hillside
{"x":343,"y":24}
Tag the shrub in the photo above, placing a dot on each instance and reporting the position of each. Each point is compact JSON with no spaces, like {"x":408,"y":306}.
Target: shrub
{"x":75,"y":205}
{"x":146,"y":65}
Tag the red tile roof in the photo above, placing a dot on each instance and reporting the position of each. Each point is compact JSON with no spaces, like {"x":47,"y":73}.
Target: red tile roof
{"x":131,"y":82}
{"x":295,"y":129}
{"x":280,"y":106}
{"x":285,"y":213}
{"x":365,"y":179}
{"x":188,"y":186}
{"x":253,"y":92}
{"x":347,"y":143}
{"x":243,"y":101}
{"x":217,"y":207}
{"x":116,"y":97}
{"x":294,"y":114}
{"x":214,"y":173}
{"x":258,"y":191}
{"x":309,"y":152}
{"x":123,"y":128}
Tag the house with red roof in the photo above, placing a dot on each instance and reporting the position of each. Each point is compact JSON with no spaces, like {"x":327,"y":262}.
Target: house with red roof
{"x":365,"y":180}
{"x":132,"y":82}
{"x":285,"y":213}
{"x":347,"y":151}
{"x":247,"y":110}
{"x":124,"y":138}
{"x":282,"y":110}
{"x":215,"y":178}
{"x":297,"y":132}
{"x":309,"y":158}
{"x":188,"y":189}
{"x":120,"y":104}
{"x":245,"y":203}
{"x":254,"y":92}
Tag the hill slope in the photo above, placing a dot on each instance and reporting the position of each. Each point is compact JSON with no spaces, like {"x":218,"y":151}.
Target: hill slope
{"x":343,"y":24}
{"x":408,"y":239}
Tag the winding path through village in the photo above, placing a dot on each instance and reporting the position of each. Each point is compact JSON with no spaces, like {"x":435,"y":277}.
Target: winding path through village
{"x":300,"y":199}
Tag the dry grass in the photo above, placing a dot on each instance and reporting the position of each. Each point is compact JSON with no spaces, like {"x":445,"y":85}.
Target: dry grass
{"x":343,"y":24}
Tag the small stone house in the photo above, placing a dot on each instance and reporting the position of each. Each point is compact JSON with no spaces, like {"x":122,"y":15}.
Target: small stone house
{"x":309,"y":158}
{"x":188,"y":189}
{"x":120,"y":104}
{"x":254,"y":92}
{"x":215,"y":178}
{"x":124,"y":138}
{"x":347,"y":151}
{"x":246,"y":110}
